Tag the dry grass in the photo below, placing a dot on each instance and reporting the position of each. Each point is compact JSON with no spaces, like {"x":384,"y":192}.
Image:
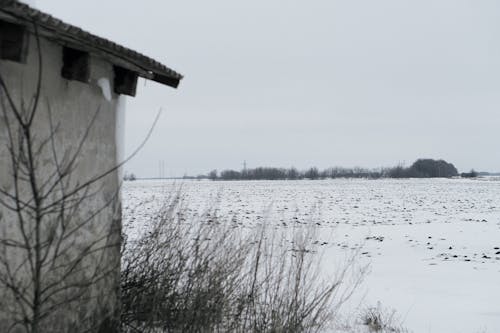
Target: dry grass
{"x":205,"y":275}
{"x":378,"y":319}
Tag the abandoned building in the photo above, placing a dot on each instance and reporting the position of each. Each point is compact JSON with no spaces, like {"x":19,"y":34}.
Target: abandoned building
{"x":61,"y":100}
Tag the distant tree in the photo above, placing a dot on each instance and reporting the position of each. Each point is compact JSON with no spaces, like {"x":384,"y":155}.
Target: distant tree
{"x":421,"y":168}
{"x":398,"y":172}
{"x":230,"y":175}
{"x":267,"y":173}
{"x":312,"y":173}
{"x":212,"y":175}
{"x":292,"y":174}
{"x":432,"y":168}
{"x":129,"y":177}
{"x":471,"y":174}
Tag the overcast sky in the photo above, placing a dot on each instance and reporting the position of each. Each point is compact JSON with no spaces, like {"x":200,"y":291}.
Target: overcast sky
{"x":308,"y":83}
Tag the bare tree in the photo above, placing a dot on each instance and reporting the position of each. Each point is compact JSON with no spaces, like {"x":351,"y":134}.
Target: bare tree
{"x":59,"y":230}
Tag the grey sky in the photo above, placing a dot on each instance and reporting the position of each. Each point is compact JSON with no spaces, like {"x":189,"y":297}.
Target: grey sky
{"x":308,"y":83}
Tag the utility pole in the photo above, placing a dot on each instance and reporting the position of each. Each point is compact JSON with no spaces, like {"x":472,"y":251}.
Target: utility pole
{"x":161,"y":169}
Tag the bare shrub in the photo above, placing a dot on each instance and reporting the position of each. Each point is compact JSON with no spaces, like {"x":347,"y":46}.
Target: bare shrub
{"x":378,"y":319}
{"x":205,"y":275}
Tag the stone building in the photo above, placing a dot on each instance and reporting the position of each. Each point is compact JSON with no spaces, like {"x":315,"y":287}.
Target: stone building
{"x":61,"y":114}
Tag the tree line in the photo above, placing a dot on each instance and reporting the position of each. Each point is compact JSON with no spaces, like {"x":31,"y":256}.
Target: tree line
{"x":421,"y":168}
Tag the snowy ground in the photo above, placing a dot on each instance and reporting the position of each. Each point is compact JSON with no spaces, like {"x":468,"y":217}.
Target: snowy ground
{"x":433,"y":245}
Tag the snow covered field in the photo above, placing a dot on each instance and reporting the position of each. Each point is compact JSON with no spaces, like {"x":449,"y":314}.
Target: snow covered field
{"x":433,"y":245}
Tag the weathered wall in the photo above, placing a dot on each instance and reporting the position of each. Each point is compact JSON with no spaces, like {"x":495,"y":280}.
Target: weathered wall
{"x":89,"y":223}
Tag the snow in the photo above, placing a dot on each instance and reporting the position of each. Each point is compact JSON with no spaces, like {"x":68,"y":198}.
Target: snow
{"x":433,"y":245}
{"x":105,"y":86}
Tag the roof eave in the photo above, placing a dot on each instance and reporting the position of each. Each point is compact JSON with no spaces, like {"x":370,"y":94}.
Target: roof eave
{"x":69,"y":35}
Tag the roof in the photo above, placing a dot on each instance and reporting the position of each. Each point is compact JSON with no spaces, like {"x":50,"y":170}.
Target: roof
{"x":70,"y":35}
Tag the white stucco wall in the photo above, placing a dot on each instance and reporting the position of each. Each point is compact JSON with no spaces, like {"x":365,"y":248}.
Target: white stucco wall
{"x":73,"y":105}
{"x":120,"y":132}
